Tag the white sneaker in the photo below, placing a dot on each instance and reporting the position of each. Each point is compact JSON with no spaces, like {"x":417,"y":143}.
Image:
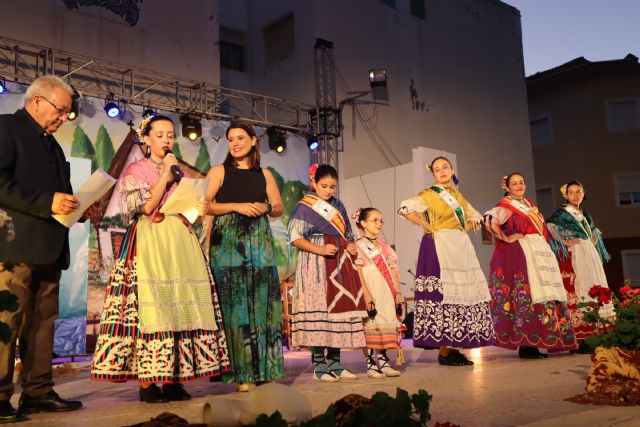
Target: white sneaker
{"x":375,"y":373}
{"x":325,"y":377}
{"x":390,"y":372}
{"x":345,"y":375}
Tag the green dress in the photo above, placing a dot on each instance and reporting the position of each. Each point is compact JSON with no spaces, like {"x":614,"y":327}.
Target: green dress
{"x":243,"y":264}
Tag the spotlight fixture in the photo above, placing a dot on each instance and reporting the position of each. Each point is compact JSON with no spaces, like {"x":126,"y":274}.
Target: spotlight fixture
{"x":191,"y":126}
{"x":378,"y":77}
{"x":111,"y":107}
{"x":148,"y":112}
{"x":277,"y":140}
{"x":313,"y":143}
{"x":3,"y":85}
{"x":75,"y":108}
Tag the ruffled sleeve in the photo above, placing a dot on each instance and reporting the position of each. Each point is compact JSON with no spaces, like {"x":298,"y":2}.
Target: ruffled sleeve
{"x":297,"y":229}
{"x":415,"y":204}
{"x":498,"y":214}
{"x":390,"y":255}
{"x":135,"y":192}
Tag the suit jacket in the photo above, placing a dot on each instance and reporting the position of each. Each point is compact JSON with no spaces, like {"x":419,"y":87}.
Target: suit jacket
{"x":32,"y":168}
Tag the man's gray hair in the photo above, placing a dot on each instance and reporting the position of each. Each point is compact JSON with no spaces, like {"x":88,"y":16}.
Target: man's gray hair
{"x":43,"y":86}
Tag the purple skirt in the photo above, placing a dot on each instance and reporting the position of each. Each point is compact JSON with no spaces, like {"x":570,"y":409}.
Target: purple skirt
{"x":437,"y":324}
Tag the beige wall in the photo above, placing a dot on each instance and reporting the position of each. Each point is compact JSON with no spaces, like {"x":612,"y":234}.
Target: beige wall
{"x":584,"y":150}
{"x":172,"y":37}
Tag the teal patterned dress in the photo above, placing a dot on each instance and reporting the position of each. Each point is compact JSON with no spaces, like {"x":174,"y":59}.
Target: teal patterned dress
{"x":243,"y":263}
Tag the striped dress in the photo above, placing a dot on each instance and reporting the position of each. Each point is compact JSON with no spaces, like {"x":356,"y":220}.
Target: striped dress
{"x":161,"y":320}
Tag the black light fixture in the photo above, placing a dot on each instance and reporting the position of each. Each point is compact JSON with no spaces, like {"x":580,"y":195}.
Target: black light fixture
{"x":148,"y":112}
{"x":75,"y":108}
{"x":277,"y":139}
{"x":111,"y":107}
{"x":313,"y":143}
{"x":191,"y":126}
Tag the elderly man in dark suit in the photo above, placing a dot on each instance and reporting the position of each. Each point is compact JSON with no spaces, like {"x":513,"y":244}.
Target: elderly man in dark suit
{"x":34,"y":184}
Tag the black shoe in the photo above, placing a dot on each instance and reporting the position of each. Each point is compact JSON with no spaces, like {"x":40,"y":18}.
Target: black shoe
{"x":48,"y":402}
{"x":175,"y":391}
{"x":582,"y":349}
{"x":8,"y":414}
{"x":152,"y":394}
{"x":531,"y":353}
{"x":454,"y":359}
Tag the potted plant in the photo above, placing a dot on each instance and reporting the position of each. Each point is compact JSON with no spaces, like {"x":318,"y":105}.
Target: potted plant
{"x":614,"y":378}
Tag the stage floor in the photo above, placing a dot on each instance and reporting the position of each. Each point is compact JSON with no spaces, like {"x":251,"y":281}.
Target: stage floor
{"x":499,"y":390}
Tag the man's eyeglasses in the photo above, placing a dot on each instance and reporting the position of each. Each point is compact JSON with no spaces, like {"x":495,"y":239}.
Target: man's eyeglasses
{"x":63,"y":112}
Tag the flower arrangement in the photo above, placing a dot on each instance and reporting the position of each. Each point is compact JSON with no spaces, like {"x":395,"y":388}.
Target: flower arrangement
{"x":624,"y":330}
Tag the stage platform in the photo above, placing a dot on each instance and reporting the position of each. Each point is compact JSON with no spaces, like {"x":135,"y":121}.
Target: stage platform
{"x":499,"y":390}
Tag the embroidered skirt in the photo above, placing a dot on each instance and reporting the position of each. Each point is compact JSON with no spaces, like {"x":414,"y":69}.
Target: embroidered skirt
{"x":518,"y":320}
{"x":179,"y":342}
{"x":437,"y":323}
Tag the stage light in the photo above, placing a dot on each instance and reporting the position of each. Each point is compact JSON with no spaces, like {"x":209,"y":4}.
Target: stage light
{"x":313,"y":143}
{"x":75,"y":108}
{"x":378,"y":77}
{"x":148,"y":112}
{"x":111,"y":107}
{"x":277,"y":140}
{"x":3,"y":85}
{"x":191,"y":126}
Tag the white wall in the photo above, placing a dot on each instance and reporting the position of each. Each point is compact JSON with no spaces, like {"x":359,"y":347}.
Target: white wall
{"x":385,"y":190}
{"x":173,"y":37}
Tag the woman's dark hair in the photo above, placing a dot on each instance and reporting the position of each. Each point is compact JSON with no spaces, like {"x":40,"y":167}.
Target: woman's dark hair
{"x":364,"y":215}
{"x":157,"y":118}
{"x":254,"y":154}
{"x":325,"y":170}
{"x":512,"y":174}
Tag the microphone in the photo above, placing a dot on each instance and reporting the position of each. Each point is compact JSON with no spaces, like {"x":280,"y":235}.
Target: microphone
{"x":175,"y":170}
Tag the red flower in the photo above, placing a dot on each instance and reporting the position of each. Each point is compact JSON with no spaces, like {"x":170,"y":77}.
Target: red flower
{"x":500,"y":272}
{"x":626,"y":290}
{"x":601,"y":294}
{"x":605,"y":296}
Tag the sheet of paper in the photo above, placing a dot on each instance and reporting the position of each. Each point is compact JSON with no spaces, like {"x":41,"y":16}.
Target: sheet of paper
{"x":95,"y":187}
{"x":184,"y":197}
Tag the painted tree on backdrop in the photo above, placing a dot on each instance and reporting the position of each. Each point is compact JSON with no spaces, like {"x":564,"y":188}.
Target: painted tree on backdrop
{"x":176,"y":151}
{"x":104,"y":149}
{"x":81,"y":147}
{"x":203,"y":161}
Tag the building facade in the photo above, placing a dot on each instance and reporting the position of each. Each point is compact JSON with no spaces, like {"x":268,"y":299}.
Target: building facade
{"x":455,"y":83}
{"x":585,"y":126}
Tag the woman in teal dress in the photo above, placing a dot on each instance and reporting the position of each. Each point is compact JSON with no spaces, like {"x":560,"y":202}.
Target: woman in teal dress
{"x":243,"y":262}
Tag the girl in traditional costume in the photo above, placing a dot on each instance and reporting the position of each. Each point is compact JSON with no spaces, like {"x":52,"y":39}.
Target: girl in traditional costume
{"x":578,"y":245}
{"x":161,"y":320}
{"x":328,"y":297}
{"x":243,"y":259}
{"x":379,"y":265}
{"x":452,"y":295}
{"x":528,"y":299}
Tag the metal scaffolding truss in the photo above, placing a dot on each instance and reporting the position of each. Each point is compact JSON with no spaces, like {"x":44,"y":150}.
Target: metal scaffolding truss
{"x":23,"y":62}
